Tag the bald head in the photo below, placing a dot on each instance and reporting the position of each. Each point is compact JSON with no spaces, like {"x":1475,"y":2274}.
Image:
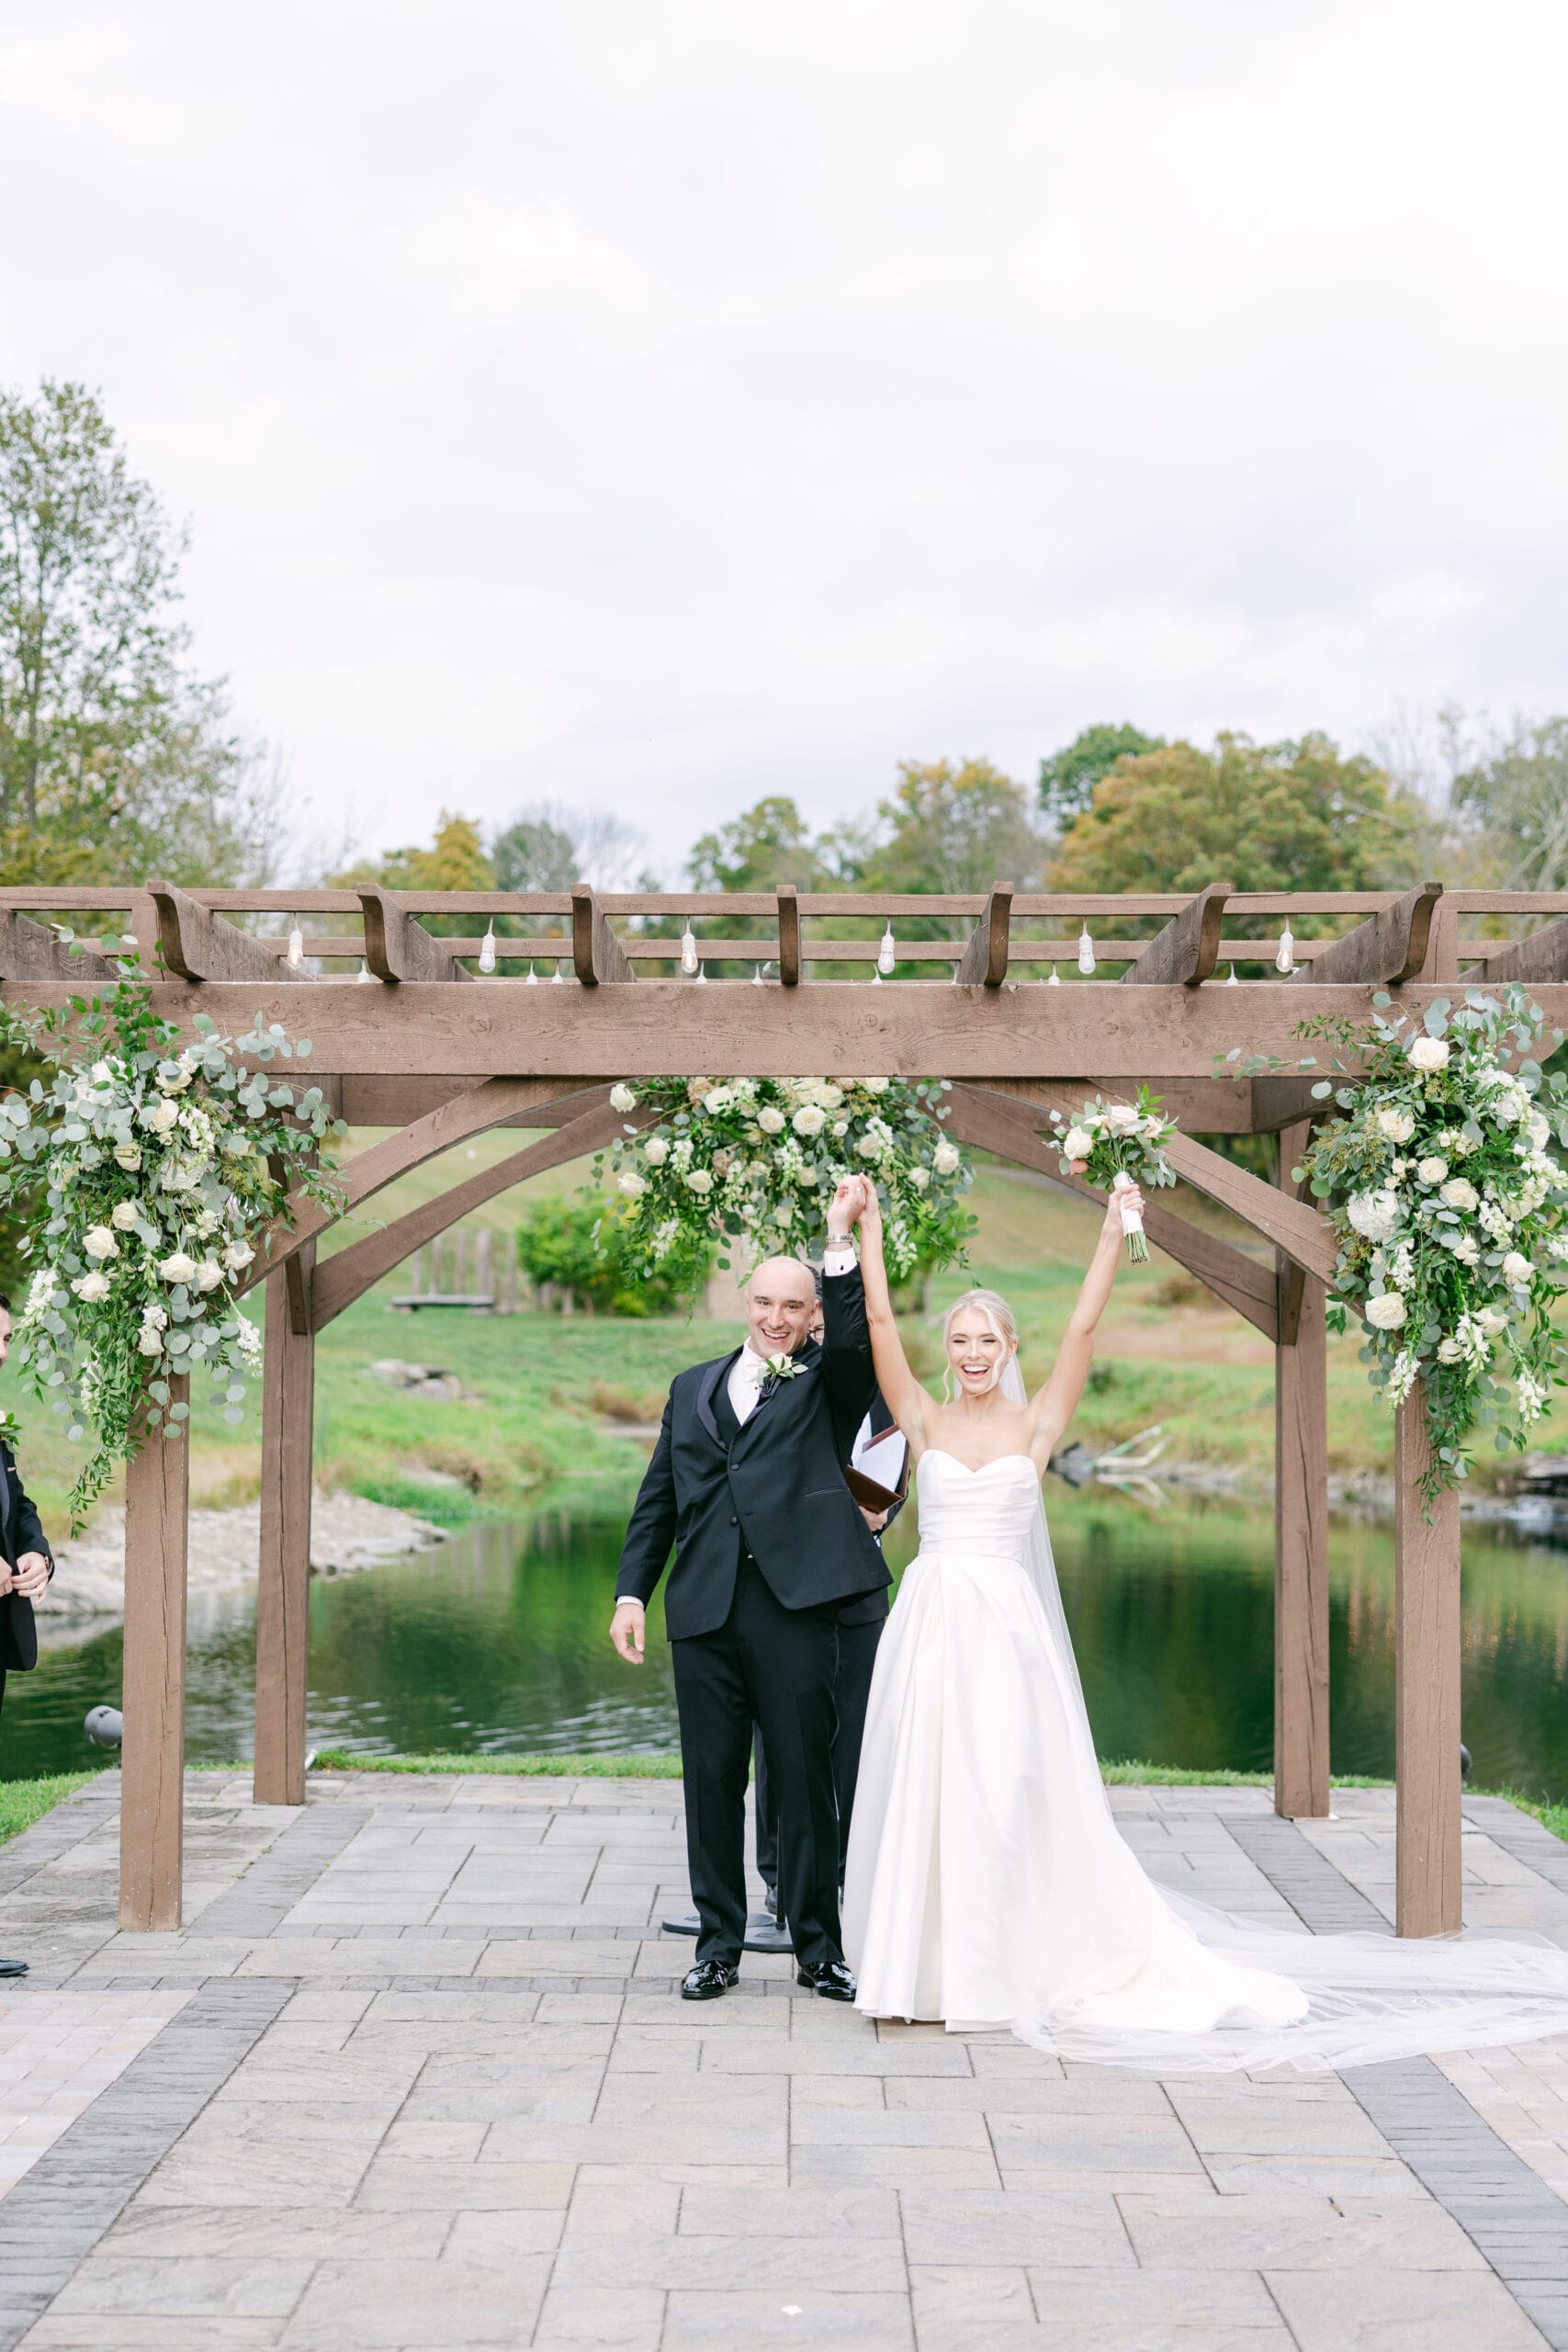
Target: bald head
{"x":781,"y":1298}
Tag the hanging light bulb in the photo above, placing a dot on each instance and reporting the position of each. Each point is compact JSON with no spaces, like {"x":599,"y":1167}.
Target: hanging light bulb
{"x":688,"y":951}
{"x":533,"y":980}
{"x":295,"y":945}
{"x":364,"y":971}
{"x":487,"y":950}
{"x":887,"y":954}
{"x":1053,"y":978}
{"x":1086,"y":951}
{"x":1232,"y":983}
{"x":877,"y":980}
{"x":1285,"y":961}
{"x":756,"y":975}
{"x":555,"y":976}
{"x":702,"y":972}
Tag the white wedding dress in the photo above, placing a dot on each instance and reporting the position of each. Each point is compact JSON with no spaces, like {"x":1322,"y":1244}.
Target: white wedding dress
{"x":989,"y":1886}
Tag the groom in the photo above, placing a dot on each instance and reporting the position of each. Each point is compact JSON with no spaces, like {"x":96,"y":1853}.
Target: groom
{"x":745,"y":1481}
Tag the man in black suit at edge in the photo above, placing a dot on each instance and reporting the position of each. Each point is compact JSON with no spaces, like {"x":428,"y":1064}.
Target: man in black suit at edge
{"x":746,"y":1482}
{"x":27,"y":1565}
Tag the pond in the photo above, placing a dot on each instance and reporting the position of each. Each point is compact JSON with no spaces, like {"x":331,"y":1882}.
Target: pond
{"x":496,"y":1643}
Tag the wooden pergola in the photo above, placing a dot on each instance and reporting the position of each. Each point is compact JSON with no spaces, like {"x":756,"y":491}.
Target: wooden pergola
{"x":413,"y":1039}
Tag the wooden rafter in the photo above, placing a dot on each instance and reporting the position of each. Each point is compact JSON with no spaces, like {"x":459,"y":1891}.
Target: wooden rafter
{"x":1542,"y":956}
{"x":30,"y":952}
{"x":789,"y":936}
{"x":198,"y":945}
{"x":596,"y":953}
{"x":399,"y":948}
{"x":984,"y":963}
{"x":1187,"y":950}
{"x":1383,"y":952}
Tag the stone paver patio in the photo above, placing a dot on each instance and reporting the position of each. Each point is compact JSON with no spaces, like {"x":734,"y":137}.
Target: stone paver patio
{"x":415,"y":2074}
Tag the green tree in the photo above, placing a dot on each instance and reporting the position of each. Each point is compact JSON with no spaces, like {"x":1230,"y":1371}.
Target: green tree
{"x":456,"y":860}
{"x":115,"y":759}
{"x":952,"y":826}
{"x":1514,"y":790}
{"x":1068,"y":777}
{"x":769,"y":843}
{"x":576,"y":1246}
{"x":533,"y":853}
{"x":1264,"y":817}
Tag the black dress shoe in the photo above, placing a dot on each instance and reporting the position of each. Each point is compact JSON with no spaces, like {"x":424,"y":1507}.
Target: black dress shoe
{"x":13,"y":1967}
{"x":828,"y":1977}
{"x":708,"y":1980}
{"x":771,"y":1901}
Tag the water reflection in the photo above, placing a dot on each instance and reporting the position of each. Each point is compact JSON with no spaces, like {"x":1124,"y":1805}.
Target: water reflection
{"x":497,"y":1642}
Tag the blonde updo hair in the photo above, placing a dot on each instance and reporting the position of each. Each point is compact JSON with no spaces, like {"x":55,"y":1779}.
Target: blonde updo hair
{"x":997,"y":1314}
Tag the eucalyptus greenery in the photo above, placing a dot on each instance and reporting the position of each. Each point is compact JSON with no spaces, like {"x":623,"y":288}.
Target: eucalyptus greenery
{"x":1447,"y":1204}
{"x":162,"y":1167}
{"x":756,"y":1159}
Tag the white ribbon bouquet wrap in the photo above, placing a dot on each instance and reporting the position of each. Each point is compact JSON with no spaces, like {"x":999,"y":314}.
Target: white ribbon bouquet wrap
{"x":1122,"y":1145}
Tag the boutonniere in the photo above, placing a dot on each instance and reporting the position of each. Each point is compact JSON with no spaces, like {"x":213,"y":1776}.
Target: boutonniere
{"x":780,"y":1368}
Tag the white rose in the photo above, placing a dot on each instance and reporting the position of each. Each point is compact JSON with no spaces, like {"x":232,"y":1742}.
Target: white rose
{"x":162,"y":1117}
{"x":876,"y":1085}
{"x":125,"y":1215}
{"x":656,"y":1151}
{"x":208,"y":1274}
{"x":101,"y":1074}
{"x":1077,"y":1143}
{"x":1493,"y":1321}
{"x":148,"y":1341}
{"x":770,"y":1119}
{"x":1431,"y":1172}
{"x":946,"y":1158}
{"x":632,"y":1185}
{"x":1396,"y":1124}
{"x":840,"y":1128}
{"x":1386,"y":1313}
{"x":1516,"y":1268}
{"x":1428,"y":1053}
{"x":128,"y":1155}
{"x":155,"y":1318}
{"x":1449,"y":1351}
{"x":919,"y":1178}
{"x":177,"y":1268}
{"x":1467,"y":1249}
{"x":238,"y":1255}
{"x":91,"y":1288}
{"x":699,"y":1180}
{"x":1375,"y":1214}
{"x":1460,"y":1193}
{"x":810,"y":1120}
{"x":622,"y":1099}
{"x":99,"y":1242}
{"x":869,"y":1146}
{"x":829,"y":1096}
{"x":718,"y":1100}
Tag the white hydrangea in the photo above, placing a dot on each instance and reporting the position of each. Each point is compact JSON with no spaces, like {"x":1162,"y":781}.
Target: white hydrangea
{"x":622,"y":1099}
{"x":1373,"y":1214}
{"x":238,"y":1255}
{"x":1386,"y":1312}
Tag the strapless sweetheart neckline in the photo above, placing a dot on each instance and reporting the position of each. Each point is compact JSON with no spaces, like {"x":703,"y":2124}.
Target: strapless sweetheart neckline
{"x":976,"y":1472}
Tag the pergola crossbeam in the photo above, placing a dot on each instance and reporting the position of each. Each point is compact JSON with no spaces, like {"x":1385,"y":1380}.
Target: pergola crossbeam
{"x":1186,"y":951}
{"x":1542,"y":956}
{"x":30,"y":951}
{"x":596,"y":953}
{"x":984,"y":963}
{"x":399,"y":948}
{"x":1385,"y":951}
{"x":200,"y":946}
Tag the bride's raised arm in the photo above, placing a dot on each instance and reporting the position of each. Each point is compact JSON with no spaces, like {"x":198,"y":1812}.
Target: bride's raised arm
{"x":901,"y":1392}
{"x":1053,"y":1406}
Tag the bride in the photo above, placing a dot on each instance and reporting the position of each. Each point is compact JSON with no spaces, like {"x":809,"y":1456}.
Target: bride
{"x":987,"y":1884}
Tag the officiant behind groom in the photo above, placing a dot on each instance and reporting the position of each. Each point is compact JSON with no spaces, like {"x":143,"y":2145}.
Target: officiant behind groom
{"x":746,"y":1482}
{"x":25,"y":1565}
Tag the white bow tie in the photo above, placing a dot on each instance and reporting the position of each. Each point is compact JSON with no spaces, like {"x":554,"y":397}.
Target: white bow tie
{"x":756,"y":1368}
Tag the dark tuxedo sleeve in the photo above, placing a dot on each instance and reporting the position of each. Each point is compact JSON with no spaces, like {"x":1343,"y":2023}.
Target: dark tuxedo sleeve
{"x":27,"y":1529}
{"x":650,"y":1530}
{"x":847,"y":1368}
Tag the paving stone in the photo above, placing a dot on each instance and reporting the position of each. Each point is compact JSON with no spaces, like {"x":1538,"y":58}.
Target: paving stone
{"x":961,"y":2308}
{"x":610,"y":2319}
{"x":411,"y":2184}
{"x":185,"y":2284}
{"x":754,"y":2262}
{"x":419,"y":2304}
{"x":967,"y":2228}
{"x":293,"y":2232}
{"x":1402,"y":2312}
{"x":1294,"y":2233}
{"x":869,"y":2323}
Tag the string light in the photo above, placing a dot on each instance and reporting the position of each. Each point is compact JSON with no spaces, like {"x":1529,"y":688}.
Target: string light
{"x":1285,"y":961}
{"x":487,"y":950}
{"x":295,"y":945}
{"x":887,"y":954}
{"x":1233,"y":982}
{"x":688,"y":951}
{"x":364,"y":971}
{"x":533,"y":980}
{"x":877,"y":980}
{"x":1053,"y":978}
{"x":555,"y":976}
{"x":702,"y":972}
{"x":1086,"y":951}
{"x":757,"y":976}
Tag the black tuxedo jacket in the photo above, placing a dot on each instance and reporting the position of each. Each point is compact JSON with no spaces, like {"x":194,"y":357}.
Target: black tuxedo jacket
{"x":872,"y":1606}
{"x":20,"y":1531}
{"x":775,"y":1482}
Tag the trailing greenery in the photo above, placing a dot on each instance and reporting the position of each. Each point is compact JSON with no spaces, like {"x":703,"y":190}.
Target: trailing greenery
{"x":758,"y":1160}
{"x":1445,"y":1206}
{"x":24,"y":1802}
{"x":160,"y":1166}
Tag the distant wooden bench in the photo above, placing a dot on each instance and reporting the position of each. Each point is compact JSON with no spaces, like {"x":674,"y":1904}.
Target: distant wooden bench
{"x":476,"y":1302}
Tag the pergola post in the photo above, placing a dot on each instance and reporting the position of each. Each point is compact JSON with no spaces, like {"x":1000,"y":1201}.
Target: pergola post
{"x":1426,"y":1654}
{"x":152,"y":1795}
{"x":1300,"y":1528}
{"x":283,"y":1592}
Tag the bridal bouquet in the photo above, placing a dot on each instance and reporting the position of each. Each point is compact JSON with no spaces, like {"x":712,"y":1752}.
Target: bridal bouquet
{"x":1125,"y":1145}
{"x":160,"y":1165}
{"x":1447,"y":1200}
{"x":758,"y":1159}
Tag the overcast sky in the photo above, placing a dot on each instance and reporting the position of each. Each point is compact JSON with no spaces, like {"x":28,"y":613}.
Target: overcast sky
{"x":661,"y":402}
